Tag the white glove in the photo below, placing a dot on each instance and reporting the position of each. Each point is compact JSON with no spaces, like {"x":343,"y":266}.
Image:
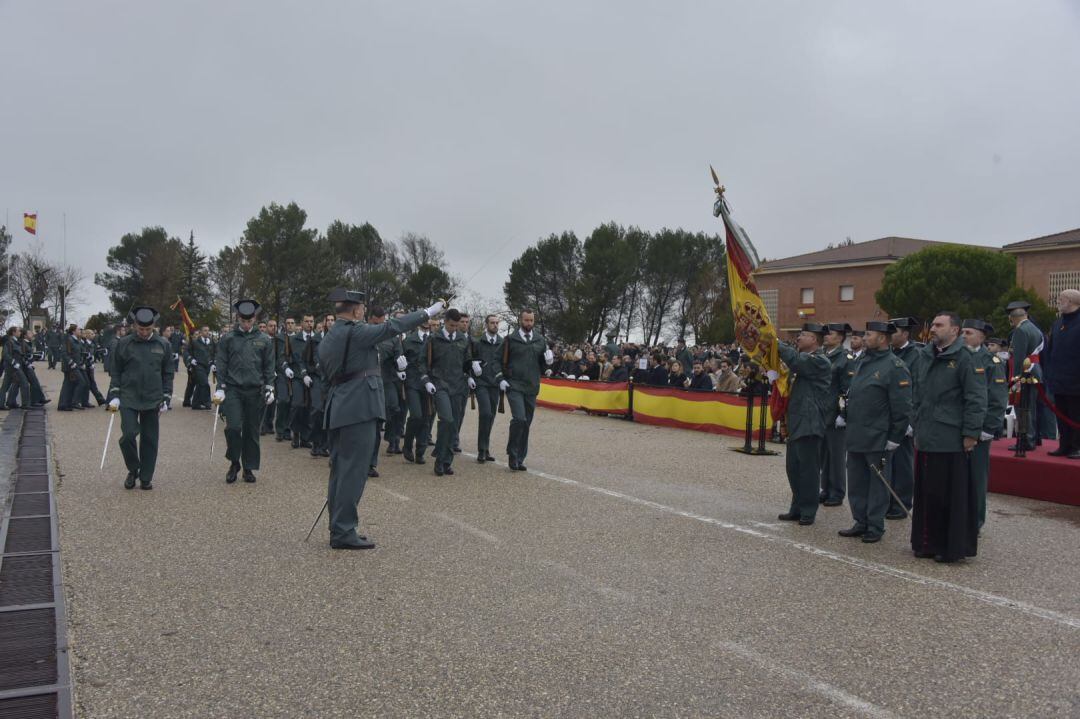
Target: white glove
{"x":269,"y":395}
{"x":194,"y":362}
{"x":213,"y":368}
{"x":402,"y":363}
{"x":163,"y":408}
{"x":472,"y":383}
{"x":890,"y":446}
{"x":571,"y":376}
{"x":547,"y":373}
{"x":401,"y":376}
{"x":476,"y":368}
{"x":504,"y":385}
{"x":114,"y":405}
{"x":219,"y":396}
{"x":436,"y":308}
{"x":773,"y":375}
{"x":841,"y":422}
{"x":16,"y":365}
{"x":549,"y":357}
{"x":307,"y":380}
{"x":587,"y":378}
{"x":175,"y":356}
{"x":910,"y":431}
{"x":289,"y":373}
{"x":985,"y":436}
{"x":429,"y":387}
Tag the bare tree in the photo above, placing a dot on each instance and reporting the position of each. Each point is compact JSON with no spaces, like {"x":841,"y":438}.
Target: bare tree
{"x":419,"y":250}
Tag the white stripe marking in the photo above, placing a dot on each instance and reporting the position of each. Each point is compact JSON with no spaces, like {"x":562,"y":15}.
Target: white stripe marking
{"x":815,"y":685}
{"x":970,"y":592}
{"x":475,"y":531}
{"x":391,"y":492}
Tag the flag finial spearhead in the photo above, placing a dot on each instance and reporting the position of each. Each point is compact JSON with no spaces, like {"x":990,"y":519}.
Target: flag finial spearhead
{"x":716,"y":181}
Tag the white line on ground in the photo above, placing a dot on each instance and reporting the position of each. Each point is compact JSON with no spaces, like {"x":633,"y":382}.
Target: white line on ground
{"x":391,"y":492}
{"x":475,"y":531}
{"x":815,"y":685}
{"x":970,"y":592}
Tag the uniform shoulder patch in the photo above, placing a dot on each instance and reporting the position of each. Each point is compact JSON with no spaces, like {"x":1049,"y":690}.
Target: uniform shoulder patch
{"x":980,"y":370}
{"x":897,"y":362}
{"x":905,"y":382}
{"x":850,"y":356}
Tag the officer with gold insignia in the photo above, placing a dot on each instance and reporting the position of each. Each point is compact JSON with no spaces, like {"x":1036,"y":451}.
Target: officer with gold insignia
{"x":878,"y":413}
{"x":992,"y":369}
{"x":901,"y":469}
{"x":807,"y":406}
{"x":834,"y":461}
{"x":245,"y":377}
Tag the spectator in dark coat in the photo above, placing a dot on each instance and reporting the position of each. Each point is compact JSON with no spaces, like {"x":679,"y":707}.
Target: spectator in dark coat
{"x":1061,"y":365}
{"x":701,"y":381}
{"x":658,"y":373}
{"x":676,"y":377}
{"x":619,"y":372}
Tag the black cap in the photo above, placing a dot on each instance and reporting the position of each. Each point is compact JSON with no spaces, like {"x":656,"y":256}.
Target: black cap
{"x":144,"y":316}
{"x":904,"y":323}
{"x":879,"y":326}
{"x":818,"y":329}
{"x":1018,"y":305}
{"x":858,"y":333}
{"x":997,"y":341}
{"x":340,"y":294}
{"x":842,"y":327}
{"x":246,"y":308}
{"x":984,"y":327}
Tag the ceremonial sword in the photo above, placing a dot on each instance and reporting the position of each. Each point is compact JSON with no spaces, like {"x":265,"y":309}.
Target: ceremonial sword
{"x":907,"y":512}
{"x":107,"y":436}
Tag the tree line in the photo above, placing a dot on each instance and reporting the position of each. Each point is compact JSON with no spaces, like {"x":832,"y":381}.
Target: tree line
{"x":279,"y":260}
{"x":30,"y":282}
{"x":655,"y":285}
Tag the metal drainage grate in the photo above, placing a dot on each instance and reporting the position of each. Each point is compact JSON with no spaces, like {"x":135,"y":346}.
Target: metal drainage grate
{"x":26,"y":580}
{"x":28,"y":535}
{"x":40,"y":706}
{"x":31,"y":483}
{"x":28,"y":505}
{"x":28,"y":654}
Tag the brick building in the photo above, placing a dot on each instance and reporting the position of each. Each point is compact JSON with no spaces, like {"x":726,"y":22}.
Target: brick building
{"x":1048,"y":264}
{"x":833,"y":285}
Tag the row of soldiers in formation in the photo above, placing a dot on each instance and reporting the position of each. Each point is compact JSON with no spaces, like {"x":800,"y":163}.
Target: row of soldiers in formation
{"x":858,"y":413}
{"x":78,"y":352}
{"x":337,"y":392}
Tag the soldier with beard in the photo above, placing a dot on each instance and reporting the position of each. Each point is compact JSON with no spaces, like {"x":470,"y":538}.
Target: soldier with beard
{"x":300,"y":409}
{"x":421,"y":414}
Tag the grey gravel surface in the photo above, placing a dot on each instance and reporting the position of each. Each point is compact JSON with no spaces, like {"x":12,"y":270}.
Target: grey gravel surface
{"x":634,"y":571}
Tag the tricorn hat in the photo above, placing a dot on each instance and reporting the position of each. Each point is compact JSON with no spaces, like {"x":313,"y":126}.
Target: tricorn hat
{"x":246,"y":308}
{"x":904,"y":323}
{"x":879,"y":326}
{"x":340,"y":294}
{"x":984,"y":327}
{"x":997,"y":341}
{"x":858,"y":333}
{"x":143,"y":315}
{"x":1018,"y":305}
{"x":814,"y":327}
{"x":842,"y":327}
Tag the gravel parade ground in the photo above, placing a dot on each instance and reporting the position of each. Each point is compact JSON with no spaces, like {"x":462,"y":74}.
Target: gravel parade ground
{"x":632,"y":571}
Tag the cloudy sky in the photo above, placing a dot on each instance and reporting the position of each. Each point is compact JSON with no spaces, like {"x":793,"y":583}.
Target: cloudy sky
{"x":487,"y":125}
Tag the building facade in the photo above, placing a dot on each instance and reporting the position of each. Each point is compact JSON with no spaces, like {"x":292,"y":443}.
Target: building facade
{"x":1048,"y":264}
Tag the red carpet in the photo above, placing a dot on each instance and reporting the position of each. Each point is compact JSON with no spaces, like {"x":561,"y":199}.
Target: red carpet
{"x":1038,"y":476}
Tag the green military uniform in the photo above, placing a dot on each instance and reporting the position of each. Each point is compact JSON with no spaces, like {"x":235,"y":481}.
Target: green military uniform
{"x":421,"y":416}
{"x":811,"y":374}
{"x":1025,"y":341}
{"x":311,"y":378}
{"x":300,"y":409}
{"x":901,"y":465}
{"x":525,"y":355}
{"x":878,"y":415}
{"x":834,"y":461}
{"x":15,"y":381}
{"x":390,"y":350}
{"x":993,"y":372}
{"x":353,"y":406}
{"x":444,"y":367}
{"x":37,"y":394}
{"x":245,"y":373}
{"x":489,"y":350}
{"x":141,"y":380}
{"x":198,"y":356}
{"x":466,"y":339}
{"x":53,"y":339}
{"x":950,"y":404}
{"x":71,"y":364}
{"x":277,"y":418}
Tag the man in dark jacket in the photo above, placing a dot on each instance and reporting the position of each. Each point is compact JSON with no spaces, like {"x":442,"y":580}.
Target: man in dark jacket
{"x":901,"y":469}
{"x":658,"y":374}
{"x":489,"y":349}
{"x":447,"y":378}
{"x":199,"y":357}
{"x":525,"y":356}
{"x":992,"y":370}
{"x":701,"y":380}
{"x":1061,"y":360}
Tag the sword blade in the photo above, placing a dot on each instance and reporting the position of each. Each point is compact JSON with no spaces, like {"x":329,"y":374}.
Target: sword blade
{"x":907,"y":512}
{"x":108,"y":435}
{"x":213,"y":432}
{"x":316,"y":522}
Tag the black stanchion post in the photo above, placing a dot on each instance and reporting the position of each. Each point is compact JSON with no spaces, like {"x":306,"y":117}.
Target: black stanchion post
{"x":761,"y":421}
{"x":748,"y":447}
{"x":630,"y":400}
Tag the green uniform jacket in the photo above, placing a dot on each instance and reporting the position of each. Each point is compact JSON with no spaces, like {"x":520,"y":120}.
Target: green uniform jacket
{"x":201,"y":352}
{"x":389,"y":351}
{"x":878,"y":402}
{"x":244,"y":359}
{"x":142,"y":372}
{"x":612,"y":350}
{"x":449,"y":363}
{"x":1024,"y":340}
{"x":359,"y":398}
{"x":415,"y":349}
{"x":997,"y":388}
{"x":71,"y":352}
{"x":950,"y":399}
{"x":53,"y":339}
{"x":12,"y":351}
{"x":843,"y":368}
{"x":524,"y":362}
{"x":807,"y":403}
{"x":913,"y":357}
{"x":490,"y":356}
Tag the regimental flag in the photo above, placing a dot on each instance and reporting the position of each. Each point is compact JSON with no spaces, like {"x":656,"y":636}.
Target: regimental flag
{"x":754,"y":331}
{"x":189,"y":326}
{"x":29,"y":221}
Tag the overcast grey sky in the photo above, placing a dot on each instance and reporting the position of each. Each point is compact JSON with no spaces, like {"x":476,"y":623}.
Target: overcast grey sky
{"x":484,"y":123}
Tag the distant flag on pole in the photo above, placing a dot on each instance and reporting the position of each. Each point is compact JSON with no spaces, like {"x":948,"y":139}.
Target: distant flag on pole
{"x":29,"y":220}
{"x":189,"y":326}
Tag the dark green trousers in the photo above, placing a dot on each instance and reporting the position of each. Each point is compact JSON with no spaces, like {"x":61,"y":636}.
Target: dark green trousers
{"x":448,"y":408}
{"x":487,"y":401}
{"x":834,"y":464}
{"x":867,"y":494}
{"x":350,"y":456}
{"x":243,"y":409}
{"x":803,"y":463}
{"x":522,"y":408}
{"x":980,"y":477}
{"x":140,"y":456}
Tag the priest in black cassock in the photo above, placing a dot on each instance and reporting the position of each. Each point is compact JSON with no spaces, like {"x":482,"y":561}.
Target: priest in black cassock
{"x":950,"y":406}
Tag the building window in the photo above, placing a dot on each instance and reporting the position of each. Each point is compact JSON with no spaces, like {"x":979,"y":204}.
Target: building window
{"x":1062,"y":281}
{"x":807,"y":297}
{"x":847,"y":293}
{"x":771,"y":300}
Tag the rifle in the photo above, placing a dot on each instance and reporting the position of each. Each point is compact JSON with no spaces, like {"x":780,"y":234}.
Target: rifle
{"x":430,"y":399}
{"x":506,"y":373}
{"x":288,"y":353}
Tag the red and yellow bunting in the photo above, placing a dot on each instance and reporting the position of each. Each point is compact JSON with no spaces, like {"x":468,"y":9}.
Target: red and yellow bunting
{"x":609,"y":397}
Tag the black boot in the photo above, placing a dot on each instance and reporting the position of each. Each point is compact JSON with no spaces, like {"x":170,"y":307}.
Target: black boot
{"x":408,"y":455}
{"x":129,"y":483}
{"x":420,"y":457}
{"x":230,"y":476}
{"x":249,"y":476}
{"x":372,"y":472}
{"x":296,"y":441}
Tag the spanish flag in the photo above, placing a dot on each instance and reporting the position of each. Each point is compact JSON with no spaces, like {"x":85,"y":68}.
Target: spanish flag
{"x":189,"y":326}
{"x":754,"y":331}
{"x":29,"y":221}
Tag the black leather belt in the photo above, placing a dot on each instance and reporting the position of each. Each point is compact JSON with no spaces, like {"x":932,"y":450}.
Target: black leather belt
{"x":349,"y":376}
